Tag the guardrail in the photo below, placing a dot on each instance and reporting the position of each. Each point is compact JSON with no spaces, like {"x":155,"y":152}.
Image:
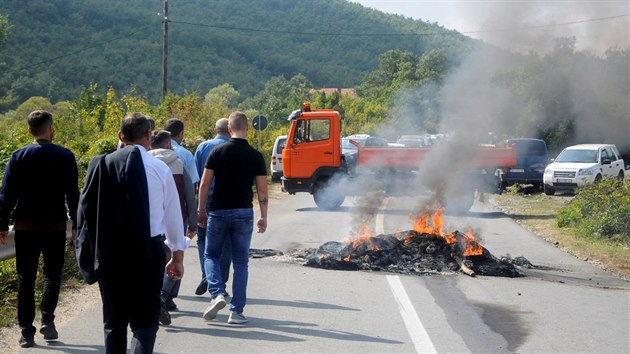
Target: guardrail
{"x":8,"y":251}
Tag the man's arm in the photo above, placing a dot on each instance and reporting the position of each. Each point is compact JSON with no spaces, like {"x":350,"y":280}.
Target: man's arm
{"x":204,"y":188}
{"x":263,"y":200}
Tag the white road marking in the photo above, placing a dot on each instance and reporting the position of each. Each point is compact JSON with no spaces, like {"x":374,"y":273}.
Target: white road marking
{"x":379,"y":227}
{"x":419,"y":336}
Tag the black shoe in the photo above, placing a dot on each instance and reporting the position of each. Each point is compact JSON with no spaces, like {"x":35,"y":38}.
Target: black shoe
{"x":26,"y":342}
{"x":49,"y":331}
{"x":202,"y":287}
{"x":165,"y":317}
{"x":170,"y":305}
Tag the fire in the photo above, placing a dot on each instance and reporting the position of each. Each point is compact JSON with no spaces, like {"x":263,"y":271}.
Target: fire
{"x":473,"y":248}
{"x":421,"y":225}
{"x":424,"y":223}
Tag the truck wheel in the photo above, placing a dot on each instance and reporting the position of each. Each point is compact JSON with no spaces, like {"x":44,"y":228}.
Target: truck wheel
{"x":620,"y":176}
{"x":549,"y":190}
{"x":328,"y":196}
{"x":598,"y":178}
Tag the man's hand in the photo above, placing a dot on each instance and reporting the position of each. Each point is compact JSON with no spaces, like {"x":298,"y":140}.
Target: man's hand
{"x":174,"y":269}
{"x":262,"y":225}
{"x":202,"y":218}
{"x":3,"y":237}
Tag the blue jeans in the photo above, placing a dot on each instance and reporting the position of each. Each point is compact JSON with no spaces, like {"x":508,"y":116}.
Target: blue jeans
{"x":226,"y":255}
{"x":235,"y":225}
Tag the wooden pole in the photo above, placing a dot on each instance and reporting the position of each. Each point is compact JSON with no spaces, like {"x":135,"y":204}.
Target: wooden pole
{"x":165,"y":52}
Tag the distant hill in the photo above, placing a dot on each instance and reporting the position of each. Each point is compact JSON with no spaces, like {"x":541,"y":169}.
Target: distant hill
{"x":57,"y":46}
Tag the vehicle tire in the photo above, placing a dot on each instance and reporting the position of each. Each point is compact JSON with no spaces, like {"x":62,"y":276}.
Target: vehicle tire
{"x":620,"y":176}
{"x":549,"y":190}
{"x":598,"y":178}
{"x":328,"y":196}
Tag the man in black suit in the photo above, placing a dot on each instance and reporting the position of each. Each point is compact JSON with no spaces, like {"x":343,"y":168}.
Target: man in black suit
{"x":136,"y":206}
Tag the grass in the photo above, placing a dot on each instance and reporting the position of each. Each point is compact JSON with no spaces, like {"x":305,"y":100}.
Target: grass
{"x":537,"y":213}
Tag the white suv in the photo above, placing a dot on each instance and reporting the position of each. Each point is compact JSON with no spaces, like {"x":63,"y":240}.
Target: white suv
{"x":580,"y":164}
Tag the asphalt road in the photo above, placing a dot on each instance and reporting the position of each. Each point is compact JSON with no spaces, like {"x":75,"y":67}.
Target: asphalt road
{"x":570,"y":307}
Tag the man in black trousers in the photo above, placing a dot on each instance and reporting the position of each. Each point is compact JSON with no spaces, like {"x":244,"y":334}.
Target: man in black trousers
{"x":136,"y":204}
{"x":39,"y":180}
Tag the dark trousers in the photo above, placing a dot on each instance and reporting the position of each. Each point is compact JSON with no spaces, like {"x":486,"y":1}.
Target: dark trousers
{"x":130,"y":290}
{"x":28,"y":246}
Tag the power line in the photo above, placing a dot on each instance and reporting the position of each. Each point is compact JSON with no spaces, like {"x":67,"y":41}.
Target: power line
{"x":446,"y":32}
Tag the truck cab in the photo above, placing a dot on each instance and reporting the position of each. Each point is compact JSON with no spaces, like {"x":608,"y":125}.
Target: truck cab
{"x":312,"y":154}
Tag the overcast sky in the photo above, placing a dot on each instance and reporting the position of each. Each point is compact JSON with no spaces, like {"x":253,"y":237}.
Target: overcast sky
{"x":524,"y":25}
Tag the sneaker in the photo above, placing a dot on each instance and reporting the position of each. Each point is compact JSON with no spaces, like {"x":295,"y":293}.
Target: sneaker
{"x":215,"y":305}
{"x":170,"y":305}
{"x":202,"y":287}
{"x":237,"y":318}
{"x":165,"y":317}
{"x":26,"y":342}
{"x":49,"y":331}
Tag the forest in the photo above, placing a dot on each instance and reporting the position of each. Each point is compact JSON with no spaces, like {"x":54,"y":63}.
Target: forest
{"x":404,"y":84}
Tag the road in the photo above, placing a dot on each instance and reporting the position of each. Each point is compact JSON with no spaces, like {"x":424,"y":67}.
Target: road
{"x":571,"y":307}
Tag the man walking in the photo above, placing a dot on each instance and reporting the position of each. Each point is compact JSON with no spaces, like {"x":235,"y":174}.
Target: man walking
{"x":176,"y":128}
{"x":135,"y":201}
{"x":39,"y":180}
{"x":161,"y":149}
{"x":201,"y":156}
{"x":234,"y":166}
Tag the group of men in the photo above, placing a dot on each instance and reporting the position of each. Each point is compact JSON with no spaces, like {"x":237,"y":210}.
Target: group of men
{"x":133,"y":215}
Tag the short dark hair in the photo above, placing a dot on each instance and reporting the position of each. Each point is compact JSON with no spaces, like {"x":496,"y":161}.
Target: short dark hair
{"x":39,"y":121}
{"x":134,"y":126}
{"x":159,"y":138}
{"x":174,"y":126}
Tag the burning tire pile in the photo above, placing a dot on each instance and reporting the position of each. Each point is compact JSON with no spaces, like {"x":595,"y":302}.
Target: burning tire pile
{"x":424,"y":250}
{"x":410,"y":252}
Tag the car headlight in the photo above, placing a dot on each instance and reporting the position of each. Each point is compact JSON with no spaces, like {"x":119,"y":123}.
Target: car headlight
{"x":585,"y":172}
{"x":548,"y":171}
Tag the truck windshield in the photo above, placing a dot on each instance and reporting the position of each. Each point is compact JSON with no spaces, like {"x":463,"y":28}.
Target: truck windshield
{"x":584,"y":156}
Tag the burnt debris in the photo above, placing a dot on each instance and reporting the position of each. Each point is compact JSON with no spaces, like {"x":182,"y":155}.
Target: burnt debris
{"x":411,"y":252}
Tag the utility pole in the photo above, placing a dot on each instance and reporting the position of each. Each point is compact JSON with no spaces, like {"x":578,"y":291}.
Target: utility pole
{"x":165,"y":52}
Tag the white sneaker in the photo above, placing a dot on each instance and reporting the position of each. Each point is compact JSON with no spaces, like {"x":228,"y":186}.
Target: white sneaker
{"x":215,"y":305}
{"x":237,"y":318}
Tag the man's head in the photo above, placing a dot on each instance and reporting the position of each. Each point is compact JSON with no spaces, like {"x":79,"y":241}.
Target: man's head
{"x":135,"y":128}
{"x":176,"y":128}
{"x":40,"y":125}
{"x":237,"y":124}
{"x":161,"y":139}
{"x":221,"y":127}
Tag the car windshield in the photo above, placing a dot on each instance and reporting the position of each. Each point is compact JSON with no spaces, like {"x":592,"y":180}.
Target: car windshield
{"x":529,"y":147}
{"x":586,"y":156}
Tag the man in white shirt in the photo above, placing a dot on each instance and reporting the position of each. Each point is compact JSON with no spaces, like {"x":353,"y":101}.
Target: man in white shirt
{"x":137,"y":207}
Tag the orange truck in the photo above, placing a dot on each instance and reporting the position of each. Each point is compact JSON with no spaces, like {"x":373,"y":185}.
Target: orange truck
{"x":313,"y":161}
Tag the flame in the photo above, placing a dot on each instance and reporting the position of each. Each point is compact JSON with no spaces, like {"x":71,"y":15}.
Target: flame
{"x":473,"y":248}
{"x":421,"y":225}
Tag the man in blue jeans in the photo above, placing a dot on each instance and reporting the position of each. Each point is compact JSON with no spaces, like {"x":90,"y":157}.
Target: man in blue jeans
{"x":201,"y":156}
{"x":235,"y":167}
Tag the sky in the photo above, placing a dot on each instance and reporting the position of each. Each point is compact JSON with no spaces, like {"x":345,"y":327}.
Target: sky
{"x":524,"y":25}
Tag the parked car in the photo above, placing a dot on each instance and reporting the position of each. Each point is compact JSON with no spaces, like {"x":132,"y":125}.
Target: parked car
{"x":413,"y":140}
{"x":531,"y":159}
{"x":276,"y":158}
{"x":580,"y":164}
{"x":367,"y":140}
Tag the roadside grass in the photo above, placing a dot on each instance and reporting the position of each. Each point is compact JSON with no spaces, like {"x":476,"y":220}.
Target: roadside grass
{"x":537,"y":213}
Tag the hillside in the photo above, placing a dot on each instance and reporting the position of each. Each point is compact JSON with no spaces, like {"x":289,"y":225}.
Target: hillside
{"x":56,"y":46}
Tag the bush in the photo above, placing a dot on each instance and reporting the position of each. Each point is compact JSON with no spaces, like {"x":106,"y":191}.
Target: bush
{"x":599,"y":209}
